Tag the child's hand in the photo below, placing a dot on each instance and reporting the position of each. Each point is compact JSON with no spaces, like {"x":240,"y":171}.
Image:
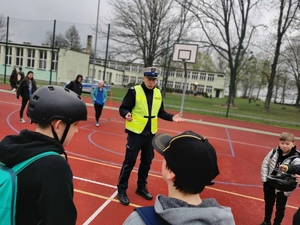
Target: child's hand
{"x":283,"y":167}
{"x":297,"y":178}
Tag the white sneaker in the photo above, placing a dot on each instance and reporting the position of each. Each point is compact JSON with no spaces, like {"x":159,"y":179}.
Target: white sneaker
{"x":97,"y":124}
{"x":13,"y":90}
{"x":22,"y":120}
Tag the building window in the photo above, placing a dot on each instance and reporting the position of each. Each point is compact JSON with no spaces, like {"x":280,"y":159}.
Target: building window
{"x":126,"y":79}
{"x":211,"y":77}
{"x":179,"y":74}
{"x":43,"y":59}
{"x":140,"y":70}
{"x":127,"y":67}
{"x":202,"y":76}
{"x":120,"y":67}
{"x":140,"y":80}
{"x":134,"y":69}
{"x":195,"y":75}
{"x":171,"y":73}
{"x":113,"y":65}
{"x":19,"y":57}
{"x":209,"y":89}
{"x":170,"y":84}
{"x":200,"y":88}
{"x":177,"y":85}
{"x":30,"y":57}
{"x":132,"y":79}
{"x":54,"y":61}
{"x":9,"y":50}
{"x":188,"y":74}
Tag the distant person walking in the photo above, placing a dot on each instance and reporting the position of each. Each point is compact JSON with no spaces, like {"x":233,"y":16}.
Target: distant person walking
{"x":99,"y":97}
{"x":76,"y":85}
{"x":21,"y":75}
{"x":26,"y":88}
{"x":13,"y":79}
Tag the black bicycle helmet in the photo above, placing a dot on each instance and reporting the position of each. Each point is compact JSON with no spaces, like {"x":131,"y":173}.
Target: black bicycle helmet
{"x":55,"y":102}
{"x":283,"y":182}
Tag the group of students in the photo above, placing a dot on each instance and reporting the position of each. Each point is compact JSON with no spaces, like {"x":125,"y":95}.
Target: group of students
{"x":189,"y":161}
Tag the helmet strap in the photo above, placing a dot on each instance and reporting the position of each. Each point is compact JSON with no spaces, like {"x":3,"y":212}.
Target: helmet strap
{"x":54,"y":133}
{"x":64,"y":134}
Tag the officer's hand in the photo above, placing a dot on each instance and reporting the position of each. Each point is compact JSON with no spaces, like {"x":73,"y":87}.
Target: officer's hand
{"x":177,"y":118}
{"x":128,"y":117}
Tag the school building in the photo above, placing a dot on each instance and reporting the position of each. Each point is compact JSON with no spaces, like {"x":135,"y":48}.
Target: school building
{"x":59,"y":65}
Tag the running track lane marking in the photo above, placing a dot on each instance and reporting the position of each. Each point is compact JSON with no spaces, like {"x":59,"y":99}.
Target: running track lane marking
{"x":134,"y":205}
{"x":93,"y":216}
{"x":230,"y":143}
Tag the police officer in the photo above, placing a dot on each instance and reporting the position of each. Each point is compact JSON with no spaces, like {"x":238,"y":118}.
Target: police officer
{"x":141,"y":107}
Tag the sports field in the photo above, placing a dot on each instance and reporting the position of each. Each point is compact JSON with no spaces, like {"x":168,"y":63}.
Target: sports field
{"x":96,"y":154}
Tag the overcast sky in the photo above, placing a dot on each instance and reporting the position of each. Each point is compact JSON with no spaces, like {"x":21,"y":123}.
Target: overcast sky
{"x":33,"y":18}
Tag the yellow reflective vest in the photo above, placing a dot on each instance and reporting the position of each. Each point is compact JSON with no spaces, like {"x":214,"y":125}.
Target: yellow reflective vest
{"x":140,"y":113}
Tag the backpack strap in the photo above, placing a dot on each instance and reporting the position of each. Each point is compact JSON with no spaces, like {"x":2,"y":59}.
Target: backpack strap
{"x":22,"y":165}
{"x":273,"y":152}
{"x":150,"y":217}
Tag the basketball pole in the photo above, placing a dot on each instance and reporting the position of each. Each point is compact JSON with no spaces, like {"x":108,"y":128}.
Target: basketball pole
{"x":184,"y":89}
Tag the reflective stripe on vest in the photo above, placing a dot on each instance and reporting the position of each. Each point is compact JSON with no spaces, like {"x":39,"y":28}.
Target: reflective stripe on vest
{"x":140,"y":114}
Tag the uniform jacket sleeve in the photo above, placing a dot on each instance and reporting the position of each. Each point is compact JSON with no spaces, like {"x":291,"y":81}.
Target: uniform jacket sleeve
{"x":128,"y":103}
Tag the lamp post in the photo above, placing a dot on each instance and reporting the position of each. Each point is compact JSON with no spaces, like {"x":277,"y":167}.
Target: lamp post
{"x":96,"y":37}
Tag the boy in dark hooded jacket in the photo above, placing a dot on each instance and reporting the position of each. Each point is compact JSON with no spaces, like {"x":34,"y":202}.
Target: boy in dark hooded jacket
{"x":76,"y":85}
{"x":45,"y":187}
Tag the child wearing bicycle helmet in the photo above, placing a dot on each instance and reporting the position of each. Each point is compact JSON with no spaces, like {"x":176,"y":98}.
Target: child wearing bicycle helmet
{"x":45,"y":187}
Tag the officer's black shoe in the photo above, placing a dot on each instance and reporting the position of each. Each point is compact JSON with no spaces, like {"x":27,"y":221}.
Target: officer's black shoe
{"x":144,"y":193}
{"x":123,"y":199}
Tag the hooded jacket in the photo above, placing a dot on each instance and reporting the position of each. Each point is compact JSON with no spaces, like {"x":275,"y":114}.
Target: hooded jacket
{"x":75,"y":85}
{"x":45,"y":187}
{"x":177,"y":212}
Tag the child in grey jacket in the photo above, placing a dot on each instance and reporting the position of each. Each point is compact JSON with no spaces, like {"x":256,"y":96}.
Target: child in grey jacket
{"x":283,"y":154}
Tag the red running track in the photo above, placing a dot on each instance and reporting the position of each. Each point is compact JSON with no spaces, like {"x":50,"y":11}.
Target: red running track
{"x":96,"y":154}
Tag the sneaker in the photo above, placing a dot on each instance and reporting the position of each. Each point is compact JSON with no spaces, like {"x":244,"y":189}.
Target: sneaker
{"x":265,"y":223}
{"x":97,"y":124}
{"x":13,"y":90}
{"x":22,"y":120}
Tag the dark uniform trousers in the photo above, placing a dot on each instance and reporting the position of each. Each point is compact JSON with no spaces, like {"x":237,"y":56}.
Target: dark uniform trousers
{"x":135,"y":143}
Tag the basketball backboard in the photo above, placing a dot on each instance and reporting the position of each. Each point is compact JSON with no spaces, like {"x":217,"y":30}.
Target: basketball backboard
{"x":185,"y":53}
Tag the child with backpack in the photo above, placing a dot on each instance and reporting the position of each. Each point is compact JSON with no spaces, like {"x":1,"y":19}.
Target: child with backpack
{"x":190,"y":164}
{"x":285,"y":153}
{"x":44,"y":188}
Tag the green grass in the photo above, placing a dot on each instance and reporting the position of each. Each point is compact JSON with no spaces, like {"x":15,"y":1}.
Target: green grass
{"x":289,"y":117}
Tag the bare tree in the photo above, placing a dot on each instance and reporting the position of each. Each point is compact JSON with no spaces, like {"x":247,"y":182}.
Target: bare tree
{"x":226,"y":29}
{"x":59,"y":40}
{"x":2,"y":28}
{"x":291,"y":57}
{"x":287,"y":12}
{"x":140,"y":29}
{"x":73,"y":39}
